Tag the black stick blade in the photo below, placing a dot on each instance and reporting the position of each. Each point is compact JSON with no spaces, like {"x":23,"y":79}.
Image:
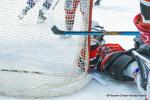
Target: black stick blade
{"x":57,"y":31}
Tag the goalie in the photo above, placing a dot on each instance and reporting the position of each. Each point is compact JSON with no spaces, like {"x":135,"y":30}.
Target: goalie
{"x":112,"y":59}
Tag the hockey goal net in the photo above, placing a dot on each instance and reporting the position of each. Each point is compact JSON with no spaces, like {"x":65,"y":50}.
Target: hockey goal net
{"x":34,"y":62}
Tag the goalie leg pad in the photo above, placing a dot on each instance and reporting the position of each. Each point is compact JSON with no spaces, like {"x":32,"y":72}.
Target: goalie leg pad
{"x":117,"y":63}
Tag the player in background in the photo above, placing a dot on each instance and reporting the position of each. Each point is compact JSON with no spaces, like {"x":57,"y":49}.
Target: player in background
{"x":98,"y":2}
{"x":41,"y":16}
{"x":70,"y":9}
{"x":142,"y":22}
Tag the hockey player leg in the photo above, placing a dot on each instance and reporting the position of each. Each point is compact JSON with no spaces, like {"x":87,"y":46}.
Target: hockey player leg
{"x":43,"y":11}
{"x":83,"y":8}
{"x":70,"y":10}
{"x":30,"y":5}
{"x":116,"y":62}
{"x":120,"y":65}
{"x":112,"y":59}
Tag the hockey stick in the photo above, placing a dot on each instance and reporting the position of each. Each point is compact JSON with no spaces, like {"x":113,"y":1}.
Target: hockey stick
{"x":55,"y":4}
{"x":57,"y":31}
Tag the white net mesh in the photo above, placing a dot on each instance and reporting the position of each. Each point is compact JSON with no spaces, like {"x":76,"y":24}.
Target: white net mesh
{"x":33,"y":61}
